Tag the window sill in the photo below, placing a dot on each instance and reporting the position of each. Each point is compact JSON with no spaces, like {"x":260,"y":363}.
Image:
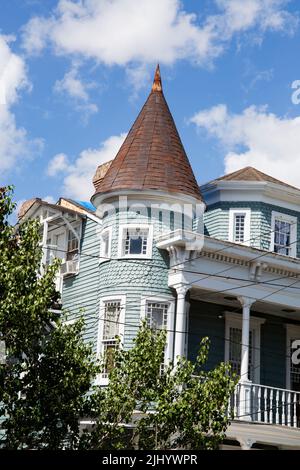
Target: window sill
{"x":134,"y":257}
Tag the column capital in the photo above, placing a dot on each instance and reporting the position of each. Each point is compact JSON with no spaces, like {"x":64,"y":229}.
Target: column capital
{"x":246,"y":301}
{"x":181,"y":289}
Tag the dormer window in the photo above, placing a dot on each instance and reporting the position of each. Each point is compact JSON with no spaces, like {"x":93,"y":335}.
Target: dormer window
{"x":284,"y":234}
{"x":135,"y":241}
{"x":239,"y":226}
{"x":105,"y":245}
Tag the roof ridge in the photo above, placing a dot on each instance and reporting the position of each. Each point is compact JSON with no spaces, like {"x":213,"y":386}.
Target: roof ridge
{"x":243,"y":171}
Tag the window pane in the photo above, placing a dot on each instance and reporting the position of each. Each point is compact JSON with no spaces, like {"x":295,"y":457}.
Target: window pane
{"x":282,"y":237}
{"x":111,"y":320}
{"x":109,"y":352}
{"x":239,"y":228}
{"x":294,"y":370}
{"x":157,"y":314}
{"x":136,"y":241}
{"x":235,"y":350}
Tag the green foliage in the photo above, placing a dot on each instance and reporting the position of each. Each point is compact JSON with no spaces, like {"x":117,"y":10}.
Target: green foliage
{"x":48,"y":369}
{"x":185,"y":407}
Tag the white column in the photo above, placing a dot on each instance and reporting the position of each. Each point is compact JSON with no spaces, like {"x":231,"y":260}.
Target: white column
{"x":246,"y":304}
{"x":245,"y":409}
{"x":181,"y":322}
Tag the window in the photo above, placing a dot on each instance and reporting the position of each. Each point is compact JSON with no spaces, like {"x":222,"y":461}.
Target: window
{"x":235,"y":350}
{"x":284,"y":234}
{"x":157,"y":315}
{"x":233,"y":344}
{"x":73,"y":243}
{"x":135,"y":241}
{"x":239,"y":226}
{"x":159,"y":312}
{"x":111,"y":325}
{"x":105,"y":245}
{"x":293,"y":370}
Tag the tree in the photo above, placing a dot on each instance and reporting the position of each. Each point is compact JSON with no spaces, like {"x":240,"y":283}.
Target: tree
{"x":166,"y":408}
{"x":48,"y":369}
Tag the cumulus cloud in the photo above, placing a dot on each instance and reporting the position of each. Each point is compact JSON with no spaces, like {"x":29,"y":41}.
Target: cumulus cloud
{"x":77,"y":90}
{"x":122,"y":32}
{"x":58,"y":164}
{"x":78,"y":175}
{"x":14,"y":142}
{"x":255,"y":138}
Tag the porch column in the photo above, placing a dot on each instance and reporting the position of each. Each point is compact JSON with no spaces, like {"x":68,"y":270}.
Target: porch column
{"x":246,"y":304}
{"x":245,"y":409}
{"x":181,"y":322}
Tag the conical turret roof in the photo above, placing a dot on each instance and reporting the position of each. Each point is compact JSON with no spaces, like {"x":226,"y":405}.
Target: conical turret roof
{"x":152,"y":156}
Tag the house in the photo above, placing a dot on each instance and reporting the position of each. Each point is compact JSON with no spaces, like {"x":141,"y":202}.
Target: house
{"x":222,"y":260}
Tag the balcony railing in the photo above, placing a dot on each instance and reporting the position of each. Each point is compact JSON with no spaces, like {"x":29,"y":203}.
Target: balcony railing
{"x":263,"y":404}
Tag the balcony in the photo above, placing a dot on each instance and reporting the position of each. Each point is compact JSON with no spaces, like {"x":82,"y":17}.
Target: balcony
{"x":267,"y":405}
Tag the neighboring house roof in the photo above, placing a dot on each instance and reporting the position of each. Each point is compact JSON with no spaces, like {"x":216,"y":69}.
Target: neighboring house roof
{"x":250,"y":174}
{"x":83,"y":205}
{"x":34,"y":203}
{"x":152,"y":156}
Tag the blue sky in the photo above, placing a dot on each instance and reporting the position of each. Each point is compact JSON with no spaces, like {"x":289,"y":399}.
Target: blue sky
{"x":74,"y":75}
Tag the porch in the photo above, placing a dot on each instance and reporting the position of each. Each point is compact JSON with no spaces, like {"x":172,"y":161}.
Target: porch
{"x":247,"y":302}
{"x":269,"y":388}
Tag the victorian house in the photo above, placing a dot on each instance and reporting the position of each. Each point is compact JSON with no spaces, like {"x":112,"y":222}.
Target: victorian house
{"x":221,"y":260}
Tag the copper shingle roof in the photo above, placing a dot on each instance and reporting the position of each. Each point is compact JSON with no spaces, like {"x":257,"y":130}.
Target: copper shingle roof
{"x":250,"y":174}
{"x":152,"y":156}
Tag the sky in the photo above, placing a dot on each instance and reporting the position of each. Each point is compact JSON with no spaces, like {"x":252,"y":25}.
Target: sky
{"x":74,"y":75}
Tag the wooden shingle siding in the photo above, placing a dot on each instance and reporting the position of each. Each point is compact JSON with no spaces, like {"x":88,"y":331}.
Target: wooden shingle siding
{"x":81,"y":291}
{"x":136,"y":278}
{"x":216,"y":221}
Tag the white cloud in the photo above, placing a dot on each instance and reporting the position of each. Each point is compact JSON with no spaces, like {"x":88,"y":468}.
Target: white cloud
{"x":14,"y":142}
{"x":255,"y":138}
{"x":78,"y":176}
{"x":58,"y":164}
{"x":49,"y":199}
{"x":122,"y":32}
{"x":72,"y":85}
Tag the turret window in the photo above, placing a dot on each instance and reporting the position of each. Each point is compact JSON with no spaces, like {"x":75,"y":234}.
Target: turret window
{"x":105,"y":245}
{"x":111,"y":327}
{"x":135,"y":241}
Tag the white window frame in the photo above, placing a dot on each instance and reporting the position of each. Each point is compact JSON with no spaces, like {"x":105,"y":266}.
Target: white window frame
{"x":124,"y":227}
{"x":290,"y":219}
{"x":291,"y":332}
{"x":104,"y":257}
{"x":235,"y":320}
{"x":109,"y":298}
{"x":165,"y":299}
{"x":240,"y":211}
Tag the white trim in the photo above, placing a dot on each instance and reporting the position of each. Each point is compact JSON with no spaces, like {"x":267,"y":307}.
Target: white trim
{"x":239,"y":211}
{"x":235,"y":320}
{"x":161,"y":298}
{"x":148,"y":227}
{"x":252,"y":191}
{"x":291,"y":220}
{"x":109,"y":298}
{"x":105,"y":258}
{"x":291,"y":332}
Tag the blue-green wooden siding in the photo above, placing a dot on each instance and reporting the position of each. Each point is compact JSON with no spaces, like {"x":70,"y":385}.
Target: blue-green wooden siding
{"x":216,"y":221}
